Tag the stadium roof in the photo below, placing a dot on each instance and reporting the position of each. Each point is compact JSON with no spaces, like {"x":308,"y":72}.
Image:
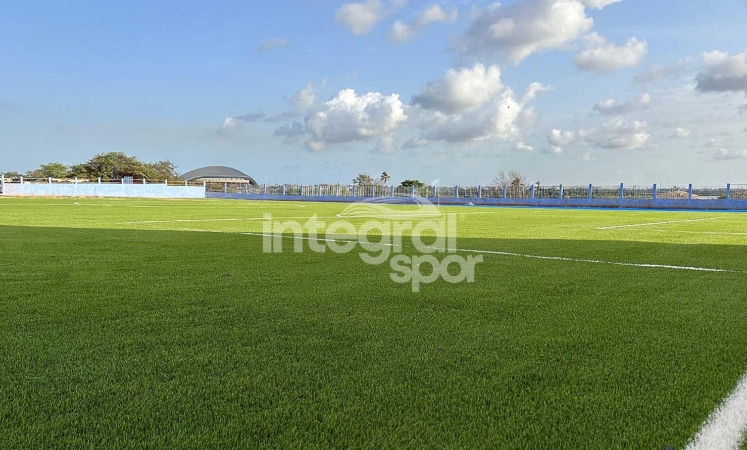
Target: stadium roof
{"x":217,"y":173}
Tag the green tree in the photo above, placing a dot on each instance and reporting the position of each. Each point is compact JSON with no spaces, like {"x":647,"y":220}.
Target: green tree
{"x":54,"y":170}
{"x":416,"y":183}
{"x":116,"y":165}
{"x":161,"y":170}
{"x":384,"y":178}
{"x":12,"y":174}
{"x":364,"y":179}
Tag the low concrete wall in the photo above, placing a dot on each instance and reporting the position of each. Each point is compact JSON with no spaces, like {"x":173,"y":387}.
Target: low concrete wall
{"x":102,"y":190}
{"x":716,"y":205}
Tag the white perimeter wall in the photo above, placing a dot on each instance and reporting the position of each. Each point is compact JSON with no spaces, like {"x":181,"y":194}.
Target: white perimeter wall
{"x":103,"y":190}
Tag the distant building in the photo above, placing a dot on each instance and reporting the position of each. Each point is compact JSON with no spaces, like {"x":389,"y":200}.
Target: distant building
{"x":218,"y":174}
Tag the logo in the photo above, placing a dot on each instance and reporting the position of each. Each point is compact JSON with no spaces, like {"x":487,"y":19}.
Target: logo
{"x":411,"y":234}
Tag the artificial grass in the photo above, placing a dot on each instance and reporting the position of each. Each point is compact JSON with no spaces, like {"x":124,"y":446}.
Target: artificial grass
{"x":144,"y":335}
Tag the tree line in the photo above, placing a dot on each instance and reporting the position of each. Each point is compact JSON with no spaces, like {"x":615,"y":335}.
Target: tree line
{"x":107,"y":166}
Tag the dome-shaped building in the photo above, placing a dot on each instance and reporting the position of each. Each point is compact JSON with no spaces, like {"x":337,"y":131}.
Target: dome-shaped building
{"x":218,"y":174}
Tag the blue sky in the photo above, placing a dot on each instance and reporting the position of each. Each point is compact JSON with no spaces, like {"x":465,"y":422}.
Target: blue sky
{"x":186,"y":81}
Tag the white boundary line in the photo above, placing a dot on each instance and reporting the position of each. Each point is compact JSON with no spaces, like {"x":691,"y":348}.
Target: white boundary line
{"x":148,"y":222}
{"x":718,"y":233}
{"x":521,"y":255}
{"x":655,"y":223}
{"x":726,"y":426}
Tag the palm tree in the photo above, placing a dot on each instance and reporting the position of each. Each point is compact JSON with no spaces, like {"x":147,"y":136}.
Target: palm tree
{"x":384,"y":177}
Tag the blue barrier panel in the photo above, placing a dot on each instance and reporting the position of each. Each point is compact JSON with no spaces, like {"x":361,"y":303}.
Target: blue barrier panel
{"x":722,"y":205}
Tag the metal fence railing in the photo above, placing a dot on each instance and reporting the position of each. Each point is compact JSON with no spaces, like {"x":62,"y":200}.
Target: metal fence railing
{"x":619,"y":192}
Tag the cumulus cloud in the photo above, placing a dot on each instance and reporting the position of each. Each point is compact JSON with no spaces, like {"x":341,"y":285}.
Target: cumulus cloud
{"x":471,"y":104}
{"x":528,"y":117}
{"x":415,"y":143}
{"x":611,"y":107}
{"x":554,"y":150}
{"x":659,"y":72}
{"x":304,"y":100}
{"x":272,"y":43}
{"x":603,"y":57}
{"x":349,"y":117}
{"x":360,"y":18}
{"x":255,"y":116}
{"x":722,"y":73}
{"x":299,"y":104}
{"x":227,"y":127}
{"x":682,"y":133}
{"x":526,"y":27}
{"x":460,"y":90}
{"x":402,"y":31}
{"x":589,"y":157}
{"x":289,"y":130}
{"x":522,"y":147}
{"x":559,"y":139}
{"x":599,"y":4}
{"x":723,"y":154}
{"x":617,"y":133}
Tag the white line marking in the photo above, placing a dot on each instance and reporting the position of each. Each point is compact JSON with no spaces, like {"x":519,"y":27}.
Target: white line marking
{"x":725,"y":233}
{"x":147,"y":222}
{"x":520,"y":255}
{"x":726,"y":426}
{"x":654,"y":223}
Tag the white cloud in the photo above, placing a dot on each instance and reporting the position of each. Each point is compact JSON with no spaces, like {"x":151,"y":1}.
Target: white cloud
{"x":299,"y":104}
{"x":402,"y":31}
{"x":528,"y":117}
{"x":228,"y":126}
{"x":617,"y":133}
{"x":289,"y":130}
{"x":599,"y":4}
{"x":603,"y":57}
{"x":659,"y":72}
{"x":522,"y":147}
{"x":526,"y":27}
{"x":460,"y":90}
{"x":534,"y":89}
{"x":471,"y":104}
{"x":589,"y":157}
{"x":272,"y":43}
{"x":385,"y":144}
{"x":611,"y":107}
{"x":560,"y":138}
{"x":723,"y":154}
{"x":304,"y":100}
{"x":255,"y":116}
{"x":415,"y":143}
{"x":722,"y":73}
{"x":360,"y":18}
{"x":682,"y":133}
{"x":554,"y":150}
{"x":348,"y":117}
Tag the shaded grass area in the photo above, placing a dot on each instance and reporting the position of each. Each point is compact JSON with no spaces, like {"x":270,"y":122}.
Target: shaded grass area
{"x":135,"y":338}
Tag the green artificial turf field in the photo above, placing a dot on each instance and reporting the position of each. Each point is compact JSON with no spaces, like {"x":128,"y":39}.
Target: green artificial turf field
{"x":144,"y":324}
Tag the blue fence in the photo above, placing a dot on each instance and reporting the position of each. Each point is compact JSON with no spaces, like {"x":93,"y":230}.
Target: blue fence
{"x":729,"y":197}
